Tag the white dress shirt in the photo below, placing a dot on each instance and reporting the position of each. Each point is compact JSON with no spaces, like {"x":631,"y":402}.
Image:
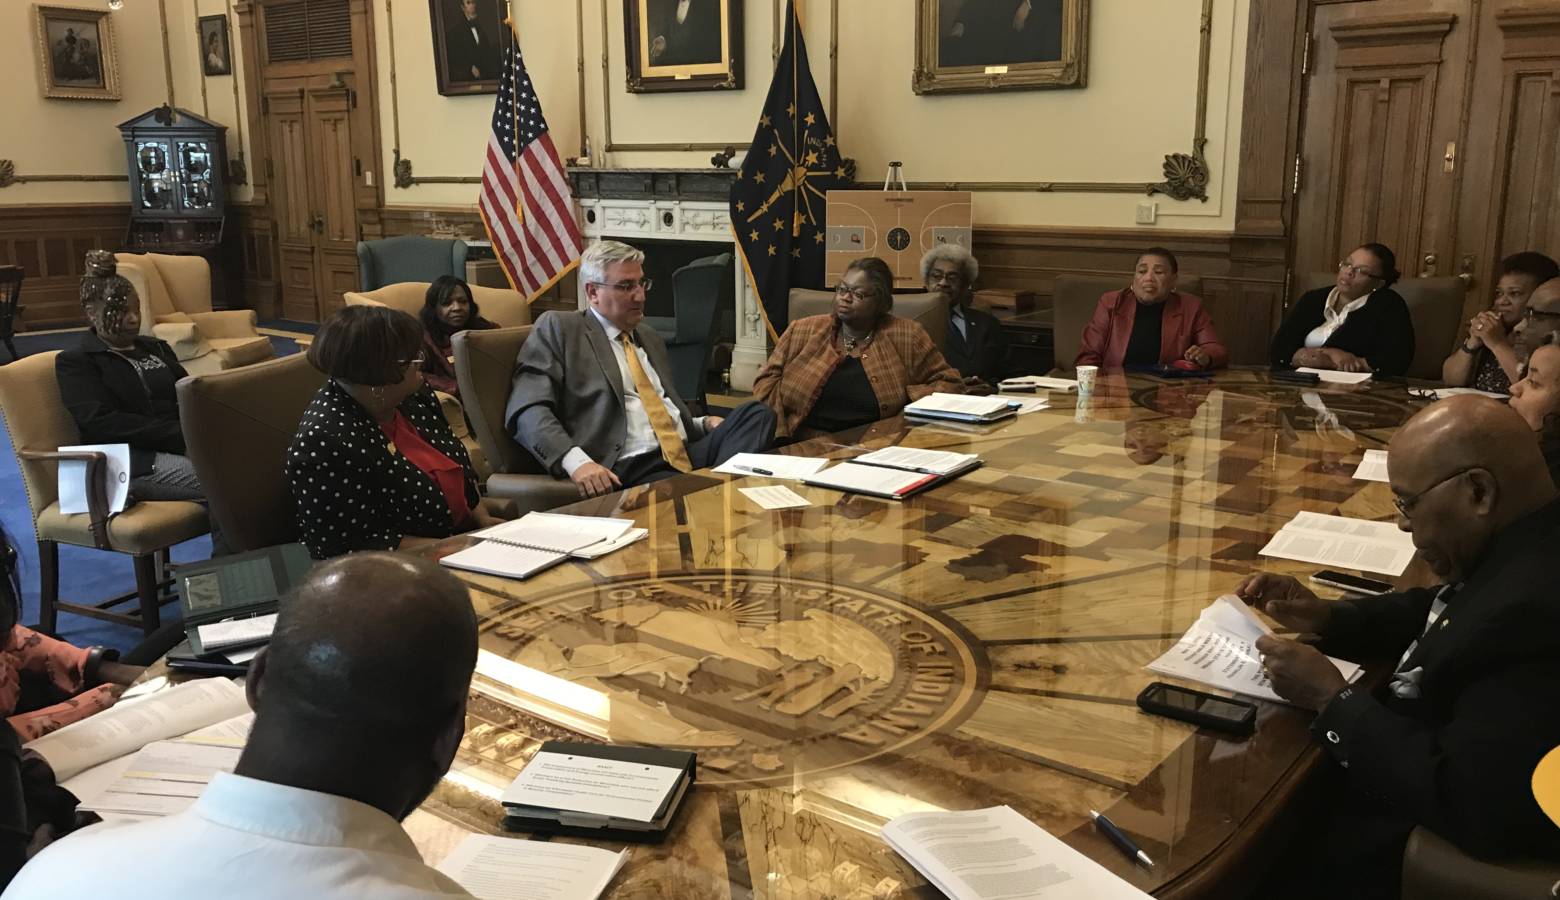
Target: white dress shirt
{"x":640,"y":438}
{"x":242,"y":839}
{"x":1332,"y":319}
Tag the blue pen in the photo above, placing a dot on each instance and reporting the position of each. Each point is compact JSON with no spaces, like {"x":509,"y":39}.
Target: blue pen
{"x":1120,"y":839}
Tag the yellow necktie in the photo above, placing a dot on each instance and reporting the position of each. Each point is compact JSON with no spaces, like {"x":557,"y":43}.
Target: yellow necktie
{"x":665,"y":429}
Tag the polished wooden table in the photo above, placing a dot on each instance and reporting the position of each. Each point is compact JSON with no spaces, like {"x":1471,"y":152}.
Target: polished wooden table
{"x":981,"y":644}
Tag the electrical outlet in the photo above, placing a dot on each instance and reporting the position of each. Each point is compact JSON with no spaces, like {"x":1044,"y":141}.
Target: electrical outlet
{"x":1147,"y":212}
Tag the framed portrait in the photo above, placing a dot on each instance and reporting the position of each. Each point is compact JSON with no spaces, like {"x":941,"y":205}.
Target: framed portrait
{"x":996,"y":45}
{"x":469,"y":39}
{"x":683,"y":45}
{"x":216,"y":54}
{"x":76,"y":59}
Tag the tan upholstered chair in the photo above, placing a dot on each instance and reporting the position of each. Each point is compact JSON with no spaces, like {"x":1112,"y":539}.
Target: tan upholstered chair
{"x":175,"y":294}
{"x":1433,"y":869}
{"x":239,"y":424}
{"x":39,"y":424}
{"x":1434,"y":304}
{"x":500,"y":306}
{"x":930,"y":310}
{"x":484,"y":367}
{"x":1073,"y":300}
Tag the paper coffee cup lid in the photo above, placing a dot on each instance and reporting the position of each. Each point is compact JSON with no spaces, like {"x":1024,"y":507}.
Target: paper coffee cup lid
{"x":1546,"y":785}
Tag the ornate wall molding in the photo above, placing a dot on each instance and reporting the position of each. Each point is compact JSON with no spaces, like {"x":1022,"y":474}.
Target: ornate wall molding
{"x":9,"y":177}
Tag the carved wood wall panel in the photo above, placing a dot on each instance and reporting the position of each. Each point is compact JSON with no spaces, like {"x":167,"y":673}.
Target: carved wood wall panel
{"x":1527,"y":171}
{"x":50,"y":243}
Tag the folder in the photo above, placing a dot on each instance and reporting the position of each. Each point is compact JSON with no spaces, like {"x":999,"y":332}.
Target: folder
{"x":558,"y":820}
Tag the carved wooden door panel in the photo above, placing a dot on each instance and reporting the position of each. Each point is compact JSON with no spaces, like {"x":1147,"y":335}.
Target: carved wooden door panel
{"x":335,"y":215}
{"x":1382,"y":108}
{"x":287,"y":128}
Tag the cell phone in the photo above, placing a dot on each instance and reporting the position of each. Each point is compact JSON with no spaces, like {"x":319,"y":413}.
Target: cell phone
{"x":1298,"y":377}
{"x":1352,"y":583}
{"x":1199,"y":708}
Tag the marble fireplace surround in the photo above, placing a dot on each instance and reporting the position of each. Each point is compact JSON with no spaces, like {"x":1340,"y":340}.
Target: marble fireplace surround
{"x":675,"y":205}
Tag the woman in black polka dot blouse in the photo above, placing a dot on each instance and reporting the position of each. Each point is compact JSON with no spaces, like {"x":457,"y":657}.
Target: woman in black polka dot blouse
{"x":374,"y":465}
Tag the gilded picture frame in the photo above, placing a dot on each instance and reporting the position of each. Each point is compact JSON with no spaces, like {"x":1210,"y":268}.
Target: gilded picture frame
{"x":683,"y":45}
{"x":76,"y":54}
{"x":964,"y":46}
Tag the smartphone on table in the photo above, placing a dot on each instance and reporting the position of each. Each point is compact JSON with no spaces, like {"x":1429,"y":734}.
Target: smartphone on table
{"x":1354,"y":584}
{"x":1199,"y":708}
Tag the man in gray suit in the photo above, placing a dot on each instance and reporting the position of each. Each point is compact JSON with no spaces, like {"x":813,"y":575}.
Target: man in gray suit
{"x":578,"y":400}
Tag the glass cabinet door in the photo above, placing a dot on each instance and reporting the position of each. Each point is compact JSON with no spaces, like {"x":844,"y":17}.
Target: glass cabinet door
{"x":156,"y":174}
{"x":195,"y":175}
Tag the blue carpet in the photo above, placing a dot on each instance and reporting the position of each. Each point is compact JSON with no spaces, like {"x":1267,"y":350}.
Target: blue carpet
{"x":88,"y":576}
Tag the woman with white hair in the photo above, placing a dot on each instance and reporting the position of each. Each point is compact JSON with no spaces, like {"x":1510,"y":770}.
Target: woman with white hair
{"x":977,"y":345}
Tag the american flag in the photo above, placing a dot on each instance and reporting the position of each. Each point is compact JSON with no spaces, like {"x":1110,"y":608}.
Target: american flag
{"x":525,"y":204}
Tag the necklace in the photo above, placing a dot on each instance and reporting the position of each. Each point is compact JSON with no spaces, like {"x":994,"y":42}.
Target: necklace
{"x":853,"y":341}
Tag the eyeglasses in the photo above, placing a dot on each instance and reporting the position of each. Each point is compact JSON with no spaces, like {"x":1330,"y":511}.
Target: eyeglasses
{"x":626,"y":285}
{"x":860,"y":295}
{"x":1351,"y":268}
{"x":937,"y":277}
{"x":1405,"y":505}
{"x":1532,"y":313}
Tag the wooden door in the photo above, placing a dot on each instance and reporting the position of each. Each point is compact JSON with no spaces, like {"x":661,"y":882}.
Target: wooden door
{"x":1383,"y":102}
{"x":333,"y":207}
{"x":291,"y":193}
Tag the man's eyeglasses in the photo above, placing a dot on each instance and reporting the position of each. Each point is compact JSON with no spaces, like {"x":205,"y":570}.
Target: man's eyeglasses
{"x":937,"y":277}
{"x":1541,"y":314}
{"x":626,"y":285}
{"x":860,"y":295}
{"x":1405,"y":505}
{"x":1346,"y":266}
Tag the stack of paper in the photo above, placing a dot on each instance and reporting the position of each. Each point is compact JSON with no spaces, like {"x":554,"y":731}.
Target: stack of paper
{"x":962,"y":408}
{"x":986,"y":854}
{"x":248,"y":632}
{"x":164,"y":778}
{"x":1373,"y":467}
{"x":775,"y":497}
{"x":876,"y":481}
{"x":927,"y":462}
{"x":1333,"y":376}
{"x":1220,"y":650}
{"x":501,"y":868}
{"x":537,"y":541}
{"x":1038,"y":382}
{"x":1027,"y":405}
{"x":1342,"y":542}
{"x":771,"y":465}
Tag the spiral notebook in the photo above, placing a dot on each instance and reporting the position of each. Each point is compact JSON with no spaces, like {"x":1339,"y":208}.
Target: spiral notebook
{"x":538,"y":541}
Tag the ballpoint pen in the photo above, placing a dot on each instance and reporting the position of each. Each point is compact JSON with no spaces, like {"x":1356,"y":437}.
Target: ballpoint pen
{"x":1120,"y":839}
{"x":755,"y":470}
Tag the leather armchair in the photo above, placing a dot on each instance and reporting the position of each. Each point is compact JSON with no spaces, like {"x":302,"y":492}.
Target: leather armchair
{"x":1434,"y":304}
{"x":930,"y":310}
{"x":484,"y":368}
{"x":36,"y":418}
{"x":1433,"y":869}
{"x":238,"y":425}
{"x":410,"y":257}
{"x":175,"y":293}
{"x":1073,"y":301}
{"x":701,"y":289}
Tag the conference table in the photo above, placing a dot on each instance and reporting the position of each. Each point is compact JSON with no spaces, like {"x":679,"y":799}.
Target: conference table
{"x":981,"y":644}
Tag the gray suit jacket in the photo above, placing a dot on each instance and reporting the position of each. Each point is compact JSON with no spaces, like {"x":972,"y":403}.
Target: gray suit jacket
{"x":568,"y":390}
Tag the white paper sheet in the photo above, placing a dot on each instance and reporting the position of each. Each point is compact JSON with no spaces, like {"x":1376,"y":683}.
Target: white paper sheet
{"x":929,"y":462}
{"x":1373,"y":467}
{"x":73,"y":478}
{"x":500,"y":868}
{"x":997,"y":854}
{"x":590,"y":784}
{"x":1027,"y":405}
{"x":164,"y":778}
{"x":963,"y":404}
{"x":794,"y":468}
{"x":1443,"y":393}
{"x":1340,"y":542}
{"x":1219,"y":650}
{"x":236,"y":632}
{"x":1333,"y":376}
{"x":557,"y":531}
{"x":775,"y":497}
{"x":1043,"y":382}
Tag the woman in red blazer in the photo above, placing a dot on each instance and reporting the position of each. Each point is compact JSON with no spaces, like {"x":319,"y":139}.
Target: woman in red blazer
{"x":1148,"y":323}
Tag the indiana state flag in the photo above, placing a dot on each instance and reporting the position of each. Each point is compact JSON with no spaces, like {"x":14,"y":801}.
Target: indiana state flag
{"x":777,"y":202}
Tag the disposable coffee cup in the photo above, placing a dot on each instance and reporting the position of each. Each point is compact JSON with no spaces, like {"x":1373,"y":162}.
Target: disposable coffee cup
{"x":1086,"y":376}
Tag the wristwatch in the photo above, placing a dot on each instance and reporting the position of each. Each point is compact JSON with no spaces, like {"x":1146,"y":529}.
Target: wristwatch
{"x":96,"y":656}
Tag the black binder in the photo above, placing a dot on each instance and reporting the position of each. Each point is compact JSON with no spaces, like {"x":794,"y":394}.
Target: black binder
{"x":533,"y":820}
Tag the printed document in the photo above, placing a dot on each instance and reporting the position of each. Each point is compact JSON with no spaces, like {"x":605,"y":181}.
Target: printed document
{"x":1041,"y":382}
{"x":1373,"y":467}
{"x":73,"y":478}
{"x":590,"y":784}
{"x":1343,"y":543}
{"x":128,"y":726}
{"x":1220,"y":650}
{"x":556,"y":532}
{"x":1333,"y":376}
{"x":794,"y":468}
{"x":164,"y":778}
{"x":959,"y":404}
{"x":501,"y":868}
{"x":236,"y":632}
{"x":775,"y":497}
{"x":997,"y":854}
{"x":928,"y":462}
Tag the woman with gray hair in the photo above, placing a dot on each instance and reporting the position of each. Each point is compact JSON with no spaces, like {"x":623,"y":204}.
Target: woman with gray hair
{"x":858,"y":365}
{"x":977,"y":345}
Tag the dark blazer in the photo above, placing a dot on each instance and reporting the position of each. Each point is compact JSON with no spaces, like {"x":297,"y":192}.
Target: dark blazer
{"x":568,"y":373}
{"x":465,"y":51}
{"x":104,"y":395}
{"x":1381,"y":331}
{"x":351,"y":492}
{"x":1459,"y":758}
{"x":983,"y":352}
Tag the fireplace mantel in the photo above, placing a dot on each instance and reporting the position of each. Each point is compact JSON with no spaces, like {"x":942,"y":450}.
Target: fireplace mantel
{"x":675,"y":205}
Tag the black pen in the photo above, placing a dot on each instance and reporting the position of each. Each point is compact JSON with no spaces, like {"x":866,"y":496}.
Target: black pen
{"x":1120,"y":839}
{"x":755,"y":470}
